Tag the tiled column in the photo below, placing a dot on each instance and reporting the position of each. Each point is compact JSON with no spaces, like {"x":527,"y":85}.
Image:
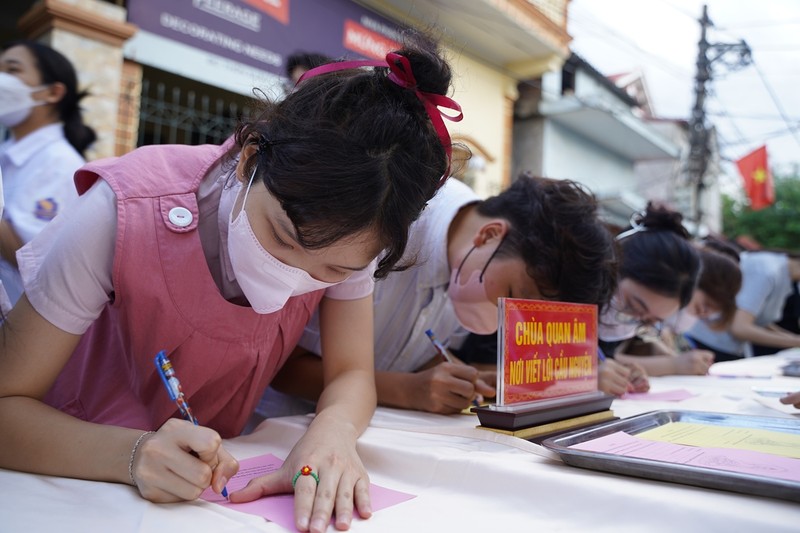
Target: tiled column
{"x":91,"y":34}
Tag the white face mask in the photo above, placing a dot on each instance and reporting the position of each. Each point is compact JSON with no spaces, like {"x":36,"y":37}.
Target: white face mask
{"x":267,"y":283}
{"x":15,"y":100}
{"x":681,"y":322}
{"x":614,"y":325}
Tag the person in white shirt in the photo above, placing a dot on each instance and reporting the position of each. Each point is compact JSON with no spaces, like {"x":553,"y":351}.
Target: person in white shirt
{"x":539,"y":239}
{"x":658,"y":273}
{"x":39,"y":105}
{"x":666,"y":351}
{"x":768,"y":279}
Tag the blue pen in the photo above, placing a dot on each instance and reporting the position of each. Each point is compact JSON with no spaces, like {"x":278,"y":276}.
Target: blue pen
{"x":173,"y":386}
{"x":446,"y":354}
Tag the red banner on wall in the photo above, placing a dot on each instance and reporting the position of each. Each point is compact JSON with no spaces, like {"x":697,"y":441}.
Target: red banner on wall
{"x":366,"y":42}
{"x":277,"y":9}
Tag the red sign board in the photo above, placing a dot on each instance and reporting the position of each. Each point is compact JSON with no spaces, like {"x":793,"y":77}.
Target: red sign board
{"x":546,"y":349}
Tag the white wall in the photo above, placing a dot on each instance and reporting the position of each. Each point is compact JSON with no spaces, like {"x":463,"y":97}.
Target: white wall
{"x":568,"y":155}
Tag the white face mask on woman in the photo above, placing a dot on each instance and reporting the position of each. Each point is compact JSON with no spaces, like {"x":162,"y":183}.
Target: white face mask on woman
{"x":15,"y":100}
{"x":616,"y":325}
{"x":681,"y":322}
{"x":267,"y":283}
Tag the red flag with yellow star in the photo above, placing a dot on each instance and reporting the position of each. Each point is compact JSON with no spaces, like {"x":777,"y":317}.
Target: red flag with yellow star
{"x":757,"y":178}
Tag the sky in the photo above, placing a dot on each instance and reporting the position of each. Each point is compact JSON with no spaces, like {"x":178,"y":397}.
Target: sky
{"x":750,"y":106}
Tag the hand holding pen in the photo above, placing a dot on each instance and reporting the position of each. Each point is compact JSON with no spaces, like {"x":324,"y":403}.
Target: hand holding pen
{"x":173,"y":385}
{"x":449,"y":358}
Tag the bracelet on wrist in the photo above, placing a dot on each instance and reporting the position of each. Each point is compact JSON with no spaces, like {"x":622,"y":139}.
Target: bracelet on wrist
{"x":136,"y":445}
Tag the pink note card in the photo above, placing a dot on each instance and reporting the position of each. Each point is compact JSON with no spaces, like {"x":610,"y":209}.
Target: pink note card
{"x":733,"y":460}
{"x":675,"y":395}
{"x":280,"y":508}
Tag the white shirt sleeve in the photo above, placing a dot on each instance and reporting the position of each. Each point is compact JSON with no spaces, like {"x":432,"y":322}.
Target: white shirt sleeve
{"x":67,"y":268}
{"x":757,"y":285}
{"x":357,"y":286}
{"x":48,"y":190}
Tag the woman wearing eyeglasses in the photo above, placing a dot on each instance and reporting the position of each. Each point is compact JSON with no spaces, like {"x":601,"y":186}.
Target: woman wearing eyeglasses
{"x":657,"y":276}
{"x":667,"y":351}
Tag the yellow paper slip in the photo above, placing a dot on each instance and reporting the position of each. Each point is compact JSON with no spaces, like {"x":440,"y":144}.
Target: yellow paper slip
{"x":711,"y":436}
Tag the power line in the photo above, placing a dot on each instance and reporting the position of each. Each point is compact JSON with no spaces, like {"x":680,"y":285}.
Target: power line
{"x":605,"y":31}
{"x":759,"y":24}
{"x":692,"y":16}
{"x":729,"y":120}
{"x":748,"y":117}
{"x":777,"y":102}
{"x":724,"y":114}
{"x":793,"y":48}
{"x":761,"y":137}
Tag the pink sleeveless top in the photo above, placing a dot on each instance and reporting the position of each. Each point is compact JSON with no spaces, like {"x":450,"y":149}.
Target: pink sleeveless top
{"x":165,"y":298}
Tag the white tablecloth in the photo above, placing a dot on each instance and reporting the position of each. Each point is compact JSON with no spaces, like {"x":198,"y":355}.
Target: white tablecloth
{"x":465,"y":479}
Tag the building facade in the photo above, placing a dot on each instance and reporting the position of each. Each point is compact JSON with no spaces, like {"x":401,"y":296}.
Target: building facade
{"x":185,"y":71}
{"x":576,"y":123}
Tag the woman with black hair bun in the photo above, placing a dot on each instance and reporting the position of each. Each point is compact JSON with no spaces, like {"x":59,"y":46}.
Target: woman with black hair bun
{"x":668,"y":351}
{"x":217,"y":256}
{"x":39,"y":106}
{"x":658,"y":272}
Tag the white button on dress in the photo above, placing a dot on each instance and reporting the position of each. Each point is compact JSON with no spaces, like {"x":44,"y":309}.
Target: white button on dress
{"x":180,"y":216}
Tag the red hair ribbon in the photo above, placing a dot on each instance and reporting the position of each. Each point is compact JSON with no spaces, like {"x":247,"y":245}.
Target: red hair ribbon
{"x":400,"y":73}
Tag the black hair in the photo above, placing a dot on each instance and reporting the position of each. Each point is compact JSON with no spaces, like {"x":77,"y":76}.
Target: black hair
{"x":55,"y":68}
{"x":660,"y":256}
{"x":306,"y":60}
{"x":723,"y":247}
{"x":720,"y":279}
{"x":351,"y":150}
{"x":556,"y":231}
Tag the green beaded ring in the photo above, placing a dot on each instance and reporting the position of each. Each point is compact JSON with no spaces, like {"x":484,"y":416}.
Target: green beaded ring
{"x":305,"y":471}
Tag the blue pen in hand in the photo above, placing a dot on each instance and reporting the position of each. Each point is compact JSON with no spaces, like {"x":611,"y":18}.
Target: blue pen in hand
{"x":441,"y":350}
{"x":167,"y":373}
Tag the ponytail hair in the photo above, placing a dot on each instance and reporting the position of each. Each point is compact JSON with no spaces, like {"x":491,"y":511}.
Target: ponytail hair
{"x":55,"y":68}
{"x":352,"y":151}
{"x":657,"y":254}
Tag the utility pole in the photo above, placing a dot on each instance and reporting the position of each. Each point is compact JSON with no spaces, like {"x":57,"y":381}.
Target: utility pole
{"x":699,"y":151}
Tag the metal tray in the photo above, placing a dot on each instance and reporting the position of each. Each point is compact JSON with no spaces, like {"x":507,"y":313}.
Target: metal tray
{"x":677,"y":473}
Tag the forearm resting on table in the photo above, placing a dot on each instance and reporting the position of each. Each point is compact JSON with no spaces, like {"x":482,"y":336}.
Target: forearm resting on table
{"x":654,"y":356}
{"x":35,"y":437}
{"x":39,"y":439}
{"x":746,"y":330}
{"x":664,"y":364}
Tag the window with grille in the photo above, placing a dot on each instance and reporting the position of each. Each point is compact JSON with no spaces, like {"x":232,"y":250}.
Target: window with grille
{"x":176,"y":110}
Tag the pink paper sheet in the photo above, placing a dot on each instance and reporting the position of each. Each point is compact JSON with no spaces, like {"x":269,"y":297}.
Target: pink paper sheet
{"x":732,"y":460}
{"x":280,"y":508}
